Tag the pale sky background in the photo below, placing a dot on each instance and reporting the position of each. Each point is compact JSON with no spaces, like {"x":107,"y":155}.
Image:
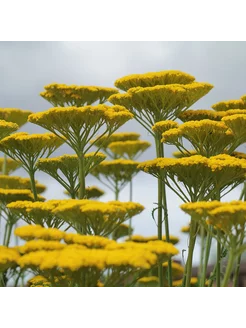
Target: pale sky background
{"x":25,"y":67}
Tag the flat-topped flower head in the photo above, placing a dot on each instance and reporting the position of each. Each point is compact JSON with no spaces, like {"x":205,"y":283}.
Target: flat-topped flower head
{"x":161,"y":102}
{"x":142,"y":239}
{"x":153,"y":78}
{"x":129,"y":149}
{"x":15,"y":115}
{"x":239,"y":155}
{"x":39,"y":213}
{"x":105,"y":140}
{"x":11,"y":165}
{"x":30,"y":232}
{"x":94,"y":192}
{"x":86,"y":240}
{"x":6,"y":128}
{"x":75,"y":95}
{"x":200,"y":114}
{"x":149,"y":281}
{"x":131,"y":208}
{"x":237,"y":124}
{"x":28,"y":148}
{"x":120,"y":170}
{"x":15,"y":182}
{"x":229,"y":217}
{"x":199,"y":175}
{"x":200,"y":208}
{"x":39,"y":244}
{"x":229,"y":104}
{"x":78,"y":125}
{"x":12,"y":195}
{"x":8,"y":258}
{"x":65,"y":169}
{"x":206,"y":136}
{"x":163,"y":126}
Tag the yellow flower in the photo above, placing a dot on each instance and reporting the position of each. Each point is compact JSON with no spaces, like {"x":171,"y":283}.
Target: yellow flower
{"x":129,"y":149}
{"x":37,"y":280}
{"x":206,"y":136}
{"x":6,"y":128}
{"x":27,"y":148}
{"x":121,"y":169}
{"x":11,"y":165}
{"x":78,"y":125}
{"x":30,"y":232}
{"x":141,"y":239}
{"x":237,"y":124}
{"x":147,"y":280}
{"x":200,"y":114}
{"x":74,"y":95}
{"x":12,"y":195}
{"x":94,"y":192}
{"x":8,"y":257}
{"x":40,"y":213}
{"x":15,"y":115}
{"x":15,"y":182}
{"x":105,"y":140}
{"x":37,"y":245}
{"x":86,"y":240}
{"x":121,"y":231}
{"x":193,"y":282}
{"x":152,"y":79}
{"x":185,"y":153}
{"x":163,"y":126}
{"x":230,"y":104}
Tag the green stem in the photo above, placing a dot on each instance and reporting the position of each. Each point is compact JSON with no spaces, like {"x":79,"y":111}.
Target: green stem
{"x":206,"y":258}
{"x":4,"y":168}
{"x":33,"y":185}
{"x":81,"y":176}
{"x":236,"y":274}
{"x":166,"y":223}
{"x":130,"y":221}
{"x":228,"y":269}
{"x":193,"y":233}
{"x":203,"y":239}
{"x":7,"y":240}
{"x":218,"y":260}
{"x":159,"y":220}
{"x":116,"y":190}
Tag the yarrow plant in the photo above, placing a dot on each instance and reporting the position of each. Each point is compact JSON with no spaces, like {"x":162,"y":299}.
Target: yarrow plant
{"x":84,"y":242}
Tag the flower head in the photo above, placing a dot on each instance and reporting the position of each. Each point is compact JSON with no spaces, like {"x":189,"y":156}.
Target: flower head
{"x":129,"y":149}
{"x":74,"y":95}
{"x":8,"y":258}
{"x":15,"y":115}
{"x":30,"y":232}
{"x":15,"y":182}
{"x":200,"y":114}
{"x":11,"y":165}
{"x":163,"y":126}
{"x":153,"y":78}
{"x":230,"y":104}
{"x":6,"y":128}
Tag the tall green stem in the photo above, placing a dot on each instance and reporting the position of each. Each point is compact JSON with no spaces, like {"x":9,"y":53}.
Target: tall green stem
{"x":4,"y":168}
{"x":116,"y":190}
{"x":206,"y":257}
{"x":236,"y":274}
{"x":193,"y":233}
{"x":159,"y":220}
{"x":130,"y":198}
{"x":228,"y":269}
{"x":33,"y":184}
{"x":81,"y":176}
{"x":203,"y":239}
{"x":166,"y":223}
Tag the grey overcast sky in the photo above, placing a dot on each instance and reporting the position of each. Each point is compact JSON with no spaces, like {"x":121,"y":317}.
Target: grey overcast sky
{"x":25,"y":67}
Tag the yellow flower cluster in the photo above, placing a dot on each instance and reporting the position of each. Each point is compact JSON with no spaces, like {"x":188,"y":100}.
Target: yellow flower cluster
{"x":6,"y":128}
{"x":15,"y":115}
{"x":199,"y":208}
{"x":11,"y":165}
{"x":119,"y":169}
{"x":129,"y":149}
{"x":105,"y":140}
{"x":74,"y":95}
{"x":15,"y":182}
{"x":12,"y":195}
{"x":207,"y":137}
{"x":239,"y":155}
{"x":142,"y":239}
{"x":228,"y":217}
{"x":8,"y":257}
{"x":200,"y":114}
{"x":237,"y":124}
{"x":193,"y":282}
{"x":146,"y":280}
{"x":37,"y":245}
{"x":152,"y":79}
{"x":28,"y":147}
{"x":88,"y":241}
{"x":161,"y":102}
{"x":230,"y":104}
{"x":131,"y":208}
{"x":163,"y":126}
{"x":177,"y":269}
{"x":76,"y":259}
{"x":37,"y":232}
{"x":69,"y":121}
{"x":121,"y":231}
{"x":38,"y":281}
{"x":40,"y":213}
